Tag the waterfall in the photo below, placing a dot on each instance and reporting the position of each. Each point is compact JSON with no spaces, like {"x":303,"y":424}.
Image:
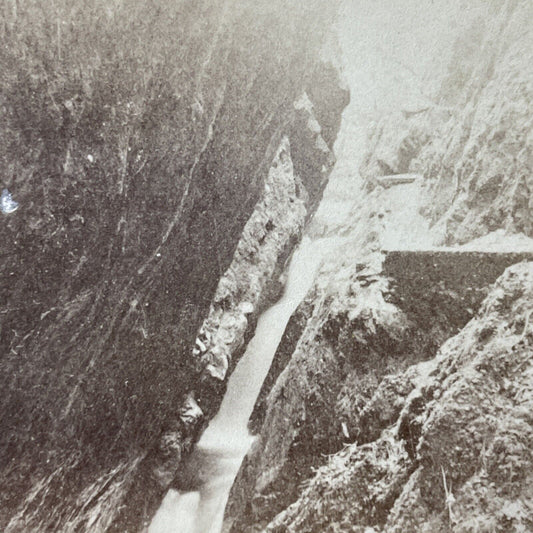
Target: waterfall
{"x":216,"y":460}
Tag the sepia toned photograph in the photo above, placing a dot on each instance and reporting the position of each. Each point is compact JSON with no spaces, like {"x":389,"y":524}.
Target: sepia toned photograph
{"x":266,"y":266}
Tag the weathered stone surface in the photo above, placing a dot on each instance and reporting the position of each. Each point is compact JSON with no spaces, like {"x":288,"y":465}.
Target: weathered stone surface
{"x":405,"y":455}
{"x":249,"y":285}
{"x":272,"y":230}
{"x":458,"y":456}
{"x":344,"y":382}
{"x":474,"y":146}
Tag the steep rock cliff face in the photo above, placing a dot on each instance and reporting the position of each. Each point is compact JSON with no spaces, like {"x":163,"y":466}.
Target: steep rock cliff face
{"x":137,"y":167}
{"x":344,"y":381}
{"x":251,"y":282}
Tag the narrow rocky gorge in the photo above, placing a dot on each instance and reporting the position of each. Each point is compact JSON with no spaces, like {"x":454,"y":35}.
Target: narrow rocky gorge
{"x":164,"y":159}
{"x":346,"y":385}
{"x":164,"y":182}
{"x":399,"y":393}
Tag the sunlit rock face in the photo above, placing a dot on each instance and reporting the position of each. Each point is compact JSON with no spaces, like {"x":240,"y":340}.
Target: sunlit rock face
{"x":137,"y":142}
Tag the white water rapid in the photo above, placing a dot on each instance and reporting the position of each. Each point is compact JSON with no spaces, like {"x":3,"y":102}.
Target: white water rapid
{"x":215,"y":462}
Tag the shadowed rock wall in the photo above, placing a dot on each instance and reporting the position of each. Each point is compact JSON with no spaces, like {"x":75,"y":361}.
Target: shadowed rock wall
{"x":137,"y":138}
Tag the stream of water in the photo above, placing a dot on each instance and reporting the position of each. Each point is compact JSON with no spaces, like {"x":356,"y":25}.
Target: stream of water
{"x":214,"y":464}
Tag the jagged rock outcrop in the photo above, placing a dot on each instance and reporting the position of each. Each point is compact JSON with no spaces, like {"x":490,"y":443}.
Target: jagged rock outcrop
{"x":456,"y":453}
{"x":343,"y":383}
{"x":252,"y":280}
{"x":268,"y":236}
